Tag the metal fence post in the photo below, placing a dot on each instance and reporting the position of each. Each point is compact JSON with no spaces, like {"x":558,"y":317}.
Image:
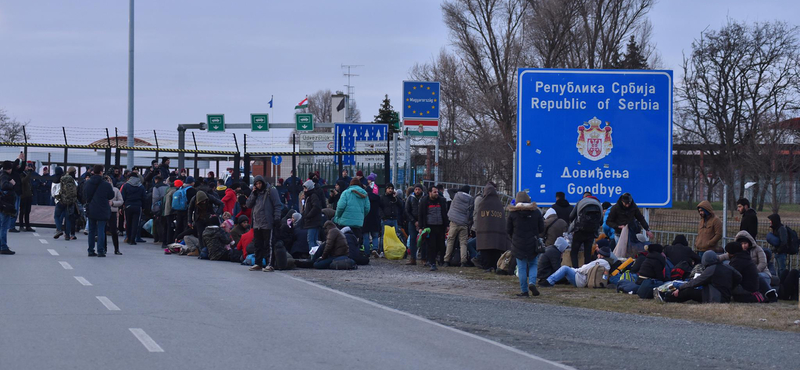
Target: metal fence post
{"x":66,"y":150}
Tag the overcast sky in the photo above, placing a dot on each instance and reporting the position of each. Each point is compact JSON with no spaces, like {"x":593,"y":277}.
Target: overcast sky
{"x":65,"y":62}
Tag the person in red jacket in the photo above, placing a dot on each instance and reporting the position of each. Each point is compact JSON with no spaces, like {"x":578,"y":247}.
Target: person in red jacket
{"x":229,"y":200}
{"x":246,"y":239}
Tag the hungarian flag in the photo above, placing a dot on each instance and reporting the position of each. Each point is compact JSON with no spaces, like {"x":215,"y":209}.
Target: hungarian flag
{"x":303,"y":104}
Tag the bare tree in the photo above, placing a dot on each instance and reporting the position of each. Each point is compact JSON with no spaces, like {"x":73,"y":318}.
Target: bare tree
{"x":10,"y":128}
{"x":353,"y":113}
{"x":319,"y":103}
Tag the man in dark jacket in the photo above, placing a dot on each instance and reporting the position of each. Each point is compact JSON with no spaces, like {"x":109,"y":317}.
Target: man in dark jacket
{"x":523,"y":225}
{"x":97,"y":193}
{"x":26,"y":198}
{"x":335,"y":246}
{"x":583,"y":233}
{"x":679,"y":252}
{"x":717,"y":280}
{"x":312,"y":212}
{"x":551,"y":261}
{"x":8,"y":204}
{"x":433,"y":215}
{"x":624,"y":212}
{"x":163,"y":168}
{"x":388,"y":212}
{"x":411,"y":211}
{"x":133,"y":193}
{"x":266,"y":208}
{"x":562,"y":206}
{"x":749,"y":217}
{"x":294,"y":186}
{"x":651,"y":272}
{"x":748,"y":290}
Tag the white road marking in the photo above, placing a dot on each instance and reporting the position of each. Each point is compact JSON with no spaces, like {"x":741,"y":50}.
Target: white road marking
{"x":35,"y":234}
{"x":52,"y":252}
{"x":148,"y":342}
{"x":434,"y":323}
{"x":107,"y":302}
{"x":65,"y":265}
{"x":43,"y":241}
{"x":83,"y":281}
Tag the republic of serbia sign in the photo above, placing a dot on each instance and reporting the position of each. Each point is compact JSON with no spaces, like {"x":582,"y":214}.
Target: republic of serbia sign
{"x":608,"y":132}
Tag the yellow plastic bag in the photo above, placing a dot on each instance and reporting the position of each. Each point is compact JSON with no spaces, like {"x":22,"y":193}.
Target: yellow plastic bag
{"x":393,"y":248}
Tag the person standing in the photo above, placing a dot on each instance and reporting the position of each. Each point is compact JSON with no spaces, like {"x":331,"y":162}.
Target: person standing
{"x":388,"y":212}
{"x":97,"y":194}
{"x":749,"y":217}
{"x":371,"y":230}
{"x":8,"y":201}
{"x":294,"y":187}
{"x":158,"y":192}
{"x":168,"y":215}
{"x":460,"y":213}
{"x":67,"y":198}
{"x":709,"y":232}
{"x":523,"y":226}
{"x":344,"y":179}
{"x":115,"y":204}
{"x":133,"y":193}
{"x":585,"y":221}
{"x":26,"y":199}
{"x":352,"y":207}
{"x":412,"y":215}
{"x":163,"y":168}
{"x":266,"y":206}
{"x":187,"y":193}
{"x":312,"y":213}
{"x":778,"y":238}
{"x":433,"y":216}
{"x":490,"y":228}
{"x":562,"y":207}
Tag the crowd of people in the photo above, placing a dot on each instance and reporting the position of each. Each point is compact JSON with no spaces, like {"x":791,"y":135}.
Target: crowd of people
{"x":307,"y":223}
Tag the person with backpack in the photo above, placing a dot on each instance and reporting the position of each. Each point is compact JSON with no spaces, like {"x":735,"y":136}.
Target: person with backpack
{"x":158,"y":192}
{"x":523,"y":225}
{"x":66,"y":196}
{"x":115,"y":204}
{"x":709,"y":231}
{"x":551,"y":260}
{"x":585,"y":221}
{"x":371,"y":229}
{"x":579,"y":277}
{"x":490,"y":228}
{"x":679,"y":251}
{"x":133,"y":193}
{"x":97,"y":194}
{"x":460,"y":215}
{"x":717,"y":281}
{"x":180,"y":204}
{"x":266,"y":207}
{"x":780,"y":240}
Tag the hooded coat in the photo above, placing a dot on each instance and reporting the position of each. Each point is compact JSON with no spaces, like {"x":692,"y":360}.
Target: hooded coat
{"x":216,"y":240}
{"x":229,"y":200}
{"x":490,"y":223}
{"x":133,"y":192}
{"x":778,"y":238}
{"x":312,"y":210}
{"x":372,"y":221}
{"x":653,"y":266}
{"x":553,"y":228}
{"x":717,"y":280}
{"x":680,"y":251}
{"x":757,"y":254}
{"x":335,"y":242}
{"x":195,"y":213}
{"x":709,"y":232}
{"x":620,"y":215}
{"x":523,"y":226}
{"x":563,"y":209}
{"x":98,"y":193}
{"x":353,"y":206}
{"x":551,"y":260}
{"x":744,"y":265}
{"x":265,"y":204}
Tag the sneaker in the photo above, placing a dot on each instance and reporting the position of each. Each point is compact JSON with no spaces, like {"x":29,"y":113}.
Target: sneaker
{"x":85,"y":232}
{"x":140,"y":240}
{"x":771,"y":295}
{"x":658,"y":295}
{"x":58,"y":234}
{"x":118,"y":253}
{"x":8,"y":252}
{"x":533,"y":290}
{"x":14,"y":230}
{"x":74,"y":237}
{"x":255,"y":268}
{"x":523,"y":295}
{"x":268,"y":269}
{"x":374,"y":254}
{"x":433,"y":267}
{"x":92,"y":254}
{"x":166,"y":251}
{"x":545,"y":284}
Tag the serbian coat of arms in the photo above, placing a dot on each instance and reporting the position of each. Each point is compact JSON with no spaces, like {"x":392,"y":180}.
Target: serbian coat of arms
{"x":594,"y":142}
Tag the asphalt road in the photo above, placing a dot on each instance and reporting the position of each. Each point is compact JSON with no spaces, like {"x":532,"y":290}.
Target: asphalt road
{"x":60,"y":309}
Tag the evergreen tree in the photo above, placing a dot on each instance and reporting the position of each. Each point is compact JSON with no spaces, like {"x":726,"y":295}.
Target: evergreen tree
{"x":386,"y":114}
{"x":633,"y":57}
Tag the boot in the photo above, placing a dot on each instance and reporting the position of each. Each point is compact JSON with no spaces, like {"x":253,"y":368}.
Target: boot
{"x":411,"y":262}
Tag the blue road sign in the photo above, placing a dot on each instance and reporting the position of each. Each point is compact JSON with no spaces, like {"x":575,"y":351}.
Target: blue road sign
{"x":420,"y":99}
{"x":608,"y":132}
{"x":276,"y":160}
{"x":349,"y":137}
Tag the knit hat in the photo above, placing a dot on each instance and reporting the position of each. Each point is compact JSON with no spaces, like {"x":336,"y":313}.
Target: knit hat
{"x":606,"y":205}
{"x":465,"y":189}
{"x":296,"y":217}
{"x":178,"y":183}
{"x":420,"y":187}
{"x":309,"y":185}
{"x":604,"y":243}
{"x":523,"y":197}
{"x":213,"y":221}
{"x":561,"y":244}
{"x":732,"y":248}
{"x":549,"y":213}
{"x":242,"y":218}
{"x":359,"y":173}
{"x":372,"y":177}
{"x":189,"y":180}
{"x":654,"y":248}
{"x":7,"y":165}
{"x":605,"y":251}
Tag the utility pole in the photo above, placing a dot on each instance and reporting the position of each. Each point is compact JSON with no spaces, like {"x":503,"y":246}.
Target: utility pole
{"x":131,"y":142}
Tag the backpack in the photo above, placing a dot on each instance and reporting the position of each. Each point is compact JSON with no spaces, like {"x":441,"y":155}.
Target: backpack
{"x":595,"y":278}
{"x":507,"y":264}
{"x":279,"y":261}
{"x":680,"y":271}
{"x":179,"y":201}
{"x":590,"y":218}
{"x":794,"y":242}
{"x":68,"y":195}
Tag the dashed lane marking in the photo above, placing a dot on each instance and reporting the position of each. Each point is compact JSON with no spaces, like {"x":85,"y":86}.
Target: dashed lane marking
{"x":145,"y":339}
{"x":65,"y":265}
{"x":52,"y":252}
{"x":107,"y":302}
{"x":83,"y":281}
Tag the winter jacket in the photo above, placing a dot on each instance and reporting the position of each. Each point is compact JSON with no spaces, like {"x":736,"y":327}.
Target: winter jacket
{"x":97,"y":193}
{"x":679,"y":251}
{"x":523,"y":225}
{"x":229,"y":200}
{"x":335,"y":242}
{"x":353,"y":206}
{"x":412,"y":208}
{"x":166,"y":205}
{"x":550,"y":261}
{"x":741,"y":262}
{"x":620,"y":216}
{"x":312,"y":210}
{"x":750,"y":222}
{"x":710,"y":230}
{"x":716,"y":279}
{"x":778,"y":238}
{"x":372,"y":221}
{"x":461,"y":209}
{"x":490,"y":224}
{"x":266,"y":206}
{"x":388,"y":209}
{"x":159,"y":190}
{"x":553,"y":228}
{"x":576,"y":212}
{"x":217,"y":241}
{"x":133,"y":192}
{"x":237,"y":232}
{"x":563,"y":209}
{"x":431,"y":210}
{"x":653,"y":266}
{"x":757,"y":254}
{"x":9,"y":199}
{"x":163,"y":170}
{"x":195,"y":212}
{"x":117,"y":202}
{"x":27,"y":188}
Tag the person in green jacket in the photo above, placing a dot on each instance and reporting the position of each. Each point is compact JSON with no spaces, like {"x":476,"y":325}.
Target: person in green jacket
{"x":353,"y":205}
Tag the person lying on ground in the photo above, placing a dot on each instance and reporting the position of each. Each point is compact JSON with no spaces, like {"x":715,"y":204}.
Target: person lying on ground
{"x":579,"y":277}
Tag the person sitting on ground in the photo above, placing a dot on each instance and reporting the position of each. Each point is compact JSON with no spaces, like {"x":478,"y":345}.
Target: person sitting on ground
{"x":757,"y":255}
{"x":579,"y":277}
{"x":551,"y":260}
{"x":523,"y":225}
{"x":217,"y":241}
{"x":335,"y":246}
{"x":717,"y":281}
{"x":679,"y":252}
{"x":286,"y":234}
{"x":554,"y":227}
{"x":242,"y":226}
{"x":226,"y":223}
{"x":748,"y":289}
{"x":651,"y":272}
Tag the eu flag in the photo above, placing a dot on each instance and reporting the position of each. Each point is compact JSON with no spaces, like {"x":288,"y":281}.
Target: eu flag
{"x":420,"y":100}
